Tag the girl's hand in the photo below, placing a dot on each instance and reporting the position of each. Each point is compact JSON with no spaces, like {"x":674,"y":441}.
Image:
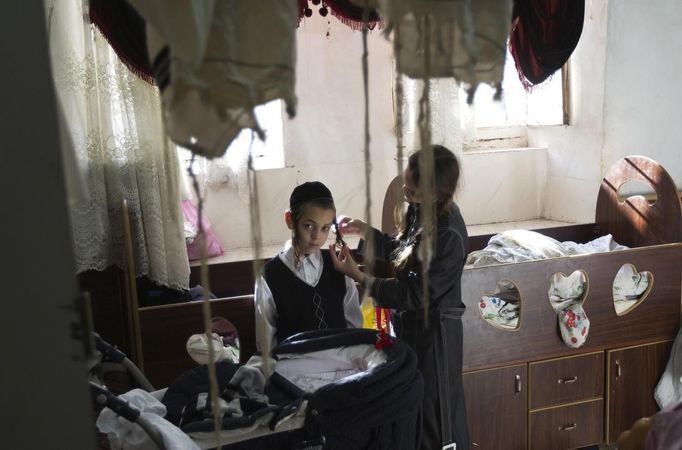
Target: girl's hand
{"x":344,"y":263}
{"x":351,"y":227}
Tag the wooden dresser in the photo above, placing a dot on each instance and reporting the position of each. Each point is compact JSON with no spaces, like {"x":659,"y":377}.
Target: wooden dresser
{"x":525,"y":389}
{"x":563,"y":403}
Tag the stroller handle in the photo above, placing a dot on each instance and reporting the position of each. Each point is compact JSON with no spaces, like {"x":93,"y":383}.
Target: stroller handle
{"x":111,"y":353}
{"x":108,"y":351}
{"x":105,"y":398}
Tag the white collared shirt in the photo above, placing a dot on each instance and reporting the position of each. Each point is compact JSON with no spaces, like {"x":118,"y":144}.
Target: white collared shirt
{"x":309,"y":272}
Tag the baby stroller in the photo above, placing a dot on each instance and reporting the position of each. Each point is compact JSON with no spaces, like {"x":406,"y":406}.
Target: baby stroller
{"x":331,"y":389}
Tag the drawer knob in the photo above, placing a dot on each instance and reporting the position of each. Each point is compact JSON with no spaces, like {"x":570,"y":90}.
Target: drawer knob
{"x":570,"y":427}
{"x":573,"y":379}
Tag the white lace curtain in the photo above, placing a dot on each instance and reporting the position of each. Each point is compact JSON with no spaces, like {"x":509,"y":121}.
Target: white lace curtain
{"x":114,"y":122}
{"x":449,"y":124}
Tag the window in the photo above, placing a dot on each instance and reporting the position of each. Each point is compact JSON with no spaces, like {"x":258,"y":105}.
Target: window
{"x":489,"y":123}
{"x":268,"y":154}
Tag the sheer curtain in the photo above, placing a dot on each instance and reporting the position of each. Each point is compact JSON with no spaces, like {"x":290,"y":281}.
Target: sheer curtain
{"x":114,"y":121}
{"x":449,"y":127}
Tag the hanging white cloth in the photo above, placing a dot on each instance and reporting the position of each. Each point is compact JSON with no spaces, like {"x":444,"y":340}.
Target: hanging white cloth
{"x":224,"y":58}
{"x":467,"y":39}
{"x":114,"y":122}
{"x":566,"y":295}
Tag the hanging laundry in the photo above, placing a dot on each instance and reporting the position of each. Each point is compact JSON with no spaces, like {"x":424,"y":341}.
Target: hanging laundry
{"x":214,"y":62}
{"x":466,"y":40}
{"x":566,"y":295}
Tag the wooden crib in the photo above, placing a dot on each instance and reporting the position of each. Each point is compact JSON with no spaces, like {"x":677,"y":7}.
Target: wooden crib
{"x":524,"y":387}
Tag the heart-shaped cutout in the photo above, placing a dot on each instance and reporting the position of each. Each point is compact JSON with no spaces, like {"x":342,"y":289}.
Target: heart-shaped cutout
{"x":502,"y":307}
{"x":630,"y":288}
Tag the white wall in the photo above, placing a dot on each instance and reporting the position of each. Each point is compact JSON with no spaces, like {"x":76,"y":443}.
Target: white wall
{"x":625,"y":95}
{"x":325,"y":142}
{"x":625,"y":75}
{"x":502,"y":186}
{"x":574,"y":152}
{"x":642,"y":97}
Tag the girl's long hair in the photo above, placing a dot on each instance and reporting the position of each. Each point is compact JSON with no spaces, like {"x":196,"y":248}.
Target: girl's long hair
{"x":296,"y":213}
{"x":446,"y":171}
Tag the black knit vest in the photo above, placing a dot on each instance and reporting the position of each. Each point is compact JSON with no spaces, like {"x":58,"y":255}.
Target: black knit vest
{"x":301,"y":307}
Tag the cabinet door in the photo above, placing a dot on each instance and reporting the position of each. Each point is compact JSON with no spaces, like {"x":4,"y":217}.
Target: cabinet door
{"x":632,"y":376}
{"x":496,"y":402}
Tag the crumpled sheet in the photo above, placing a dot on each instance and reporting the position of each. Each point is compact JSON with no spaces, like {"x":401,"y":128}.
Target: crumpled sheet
{"x":310,"y":371}
{"x":502,"y":307}
{"x":125,"y":435}
{"x":523,"y":245}
{"x":628,"y":287}
{"x":245,"y":410}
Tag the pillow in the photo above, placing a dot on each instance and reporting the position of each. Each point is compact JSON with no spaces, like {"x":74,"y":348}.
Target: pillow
{"x":191,"y":218}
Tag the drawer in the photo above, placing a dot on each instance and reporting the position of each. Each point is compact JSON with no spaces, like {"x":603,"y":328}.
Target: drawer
{"x":567,"y":427}
{"x":566,"y":380}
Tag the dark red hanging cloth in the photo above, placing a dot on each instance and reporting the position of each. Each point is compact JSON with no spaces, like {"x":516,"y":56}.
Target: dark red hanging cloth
{"x":124,"y":29}
{"x":543,"y":35}
{"x":344,"y":10}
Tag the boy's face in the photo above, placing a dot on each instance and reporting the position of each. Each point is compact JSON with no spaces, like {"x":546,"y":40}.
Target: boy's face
{"x":313,"y":228}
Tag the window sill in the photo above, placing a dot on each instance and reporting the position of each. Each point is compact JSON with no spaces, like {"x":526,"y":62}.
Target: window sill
{"x":233,"y":255}
{"x":499,"y":227}
{"x":480,"y":151}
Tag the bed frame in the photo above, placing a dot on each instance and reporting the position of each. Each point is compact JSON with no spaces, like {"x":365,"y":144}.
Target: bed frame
{"x":165,"y":329}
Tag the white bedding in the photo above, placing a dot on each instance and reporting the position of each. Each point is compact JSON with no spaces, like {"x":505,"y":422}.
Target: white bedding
{"x":310,"y":371}
{"x":515,"y":246}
